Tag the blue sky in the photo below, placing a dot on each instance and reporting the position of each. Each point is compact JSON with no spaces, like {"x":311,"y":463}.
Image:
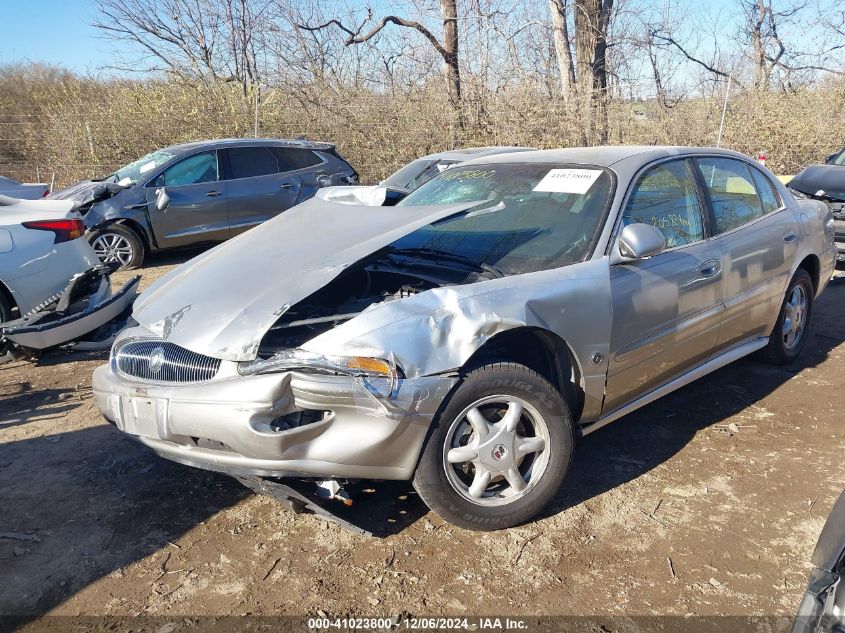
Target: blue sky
{"x":53,"y":31}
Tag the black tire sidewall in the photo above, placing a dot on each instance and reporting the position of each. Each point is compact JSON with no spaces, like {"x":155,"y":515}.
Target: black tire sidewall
{"x":129,"y":235}
{"x":6,"y":307}
{"x":430,"y":479}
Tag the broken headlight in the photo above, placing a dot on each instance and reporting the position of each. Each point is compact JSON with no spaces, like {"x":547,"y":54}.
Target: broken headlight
{"x":298,"y":359}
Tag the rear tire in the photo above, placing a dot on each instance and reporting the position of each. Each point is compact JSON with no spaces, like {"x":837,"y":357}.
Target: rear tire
{"x":499,"y":450}
{"x":6,"y":307}
{"x":792,"y":329}
{"x":117,"y":243}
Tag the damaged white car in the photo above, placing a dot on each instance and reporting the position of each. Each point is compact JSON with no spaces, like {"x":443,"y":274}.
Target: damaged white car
{"x":467,"y":336}
{"x":53,"y":289}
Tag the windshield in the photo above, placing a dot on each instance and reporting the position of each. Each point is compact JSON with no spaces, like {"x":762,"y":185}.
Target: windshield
{"x":530,"y":216}
{"x":840,"y":158}
{"x":133,"y":172}
{"x":417,"y":172}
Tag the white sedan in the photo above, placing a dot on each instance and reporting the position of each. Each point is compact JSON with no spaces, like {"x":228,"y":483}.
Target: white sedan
{"x":53,"y":288}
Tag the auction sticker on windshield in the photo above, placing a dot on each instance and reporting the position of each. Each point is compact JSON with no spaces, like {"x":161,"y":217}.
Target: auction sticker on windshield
{"x":568,"y":180}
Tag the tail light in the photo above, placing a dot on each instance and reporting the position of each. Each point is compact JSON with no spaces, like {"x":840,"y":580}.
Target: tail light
{"x":46,"y":193}
{"x":64,"y":230}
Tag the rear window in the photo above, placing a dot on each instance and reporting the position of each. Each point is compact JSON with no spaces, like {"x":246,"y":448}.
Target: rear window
{"x":292,"y":158}
{"x":733,"y":193}
{"x":247,"y":162}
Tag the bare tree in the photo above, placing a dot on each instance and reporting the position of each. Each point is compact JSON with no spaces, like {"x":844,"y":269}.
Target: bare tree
{"x":592,"y":21}
{"x":447,"y":48}
{"x":563,"y":50}
{"x":218,"y":40}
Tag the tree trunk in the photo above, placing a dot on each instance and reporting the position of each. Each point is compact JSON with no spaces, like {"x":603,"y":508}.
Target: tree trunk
{"x":563,"y":51}
{"x":450,"y":45}
{"x":592,"y":20}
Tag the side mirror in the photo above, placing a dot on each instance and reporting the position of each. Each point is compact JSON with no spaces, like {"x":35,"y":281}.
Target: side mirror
{"x":324,"y":181}
{"x":637,"y":241}
{"x":162,"y":199}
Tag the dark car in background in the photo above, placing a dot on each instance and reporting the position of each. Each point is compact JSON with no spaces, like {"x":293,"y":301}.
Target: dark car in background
{"x":822,"y":608}
{"x":206,"y":191}
{"x":827,"y":183}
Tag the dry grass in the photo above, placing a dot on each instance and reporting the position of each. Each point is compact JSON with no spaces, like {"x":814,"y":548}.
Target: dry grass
{"x":55,"y":123}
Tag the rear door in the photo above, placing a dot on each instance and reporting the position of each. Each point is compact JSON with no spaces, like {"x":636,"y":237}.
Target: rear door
{"x":757,"y":237}
{"x":197,"y":210}
{"x":257,"y":189}
{"x":667,"y":309}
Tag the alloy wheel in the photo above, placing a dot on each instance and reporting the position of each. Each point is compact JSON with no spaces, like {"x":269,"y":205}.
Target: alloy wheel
{"x":496,"y":450}
{"x":795,"y":317}
{"x":111,"y":247}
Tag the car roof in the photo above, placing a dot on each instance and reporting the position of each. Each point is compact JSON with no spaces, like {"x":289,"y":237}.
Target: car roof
{"x":184,"y":148}
{"x":468,"y":153}
{"x":607,"y":155}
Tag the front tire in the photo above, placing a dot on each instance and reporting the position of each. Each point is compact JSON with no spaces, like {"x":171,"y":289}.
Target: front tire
{"x":792,"y":329}
{"x":117,"y":243}
{"x":499,"y":450}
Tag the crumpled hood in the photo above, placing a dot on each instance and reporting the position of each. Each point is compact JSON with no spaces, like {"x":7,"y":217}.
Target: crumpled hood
{"x":822,"y":181}
{"x":86,"y":191}
{"x":223,"y":302}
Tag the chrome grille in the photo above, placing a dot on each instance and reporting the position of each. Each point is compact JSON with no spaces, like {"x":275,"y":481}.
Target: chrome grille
{"x":160,"y":361}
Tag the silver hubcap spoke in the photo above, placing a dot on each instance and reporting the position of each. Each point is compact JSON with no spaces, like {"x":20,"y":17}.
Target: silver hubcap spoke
{"x":479,"y":424}
{"x":479,"y":483}
{"x":496,"y":450}
{"x":531,"y":445}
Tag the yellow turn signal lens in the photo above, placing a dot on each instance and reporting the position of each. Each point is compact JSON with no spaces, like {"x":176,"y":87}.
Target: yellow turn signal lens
{"x":374,"y":365}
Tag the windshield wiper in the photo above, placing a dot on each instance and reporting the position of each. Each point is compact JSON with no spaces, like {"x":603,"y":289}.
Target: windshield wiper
{"x":445,"y":256}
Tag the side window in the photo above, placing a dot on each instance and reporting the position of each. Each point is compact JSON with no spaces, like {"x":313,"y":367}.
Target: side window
{"x":291,"y":158}
{"x":191,"y":171}
{"x":246,"y":162}
{"x":665,"y":197}
{"x":768,"y":194}
{"x":732,"y":192}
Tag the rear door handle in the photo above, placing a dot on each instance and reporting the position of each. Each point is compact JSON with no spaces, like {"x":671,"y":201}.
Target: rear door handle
{"x":213,"y":194}
{"x":709,"y":268}
{"x":790,"y":236}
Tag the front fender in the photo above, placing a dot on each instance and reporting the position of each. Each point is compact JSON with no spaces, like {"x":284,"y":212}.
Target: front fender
{"x":439,"y":330}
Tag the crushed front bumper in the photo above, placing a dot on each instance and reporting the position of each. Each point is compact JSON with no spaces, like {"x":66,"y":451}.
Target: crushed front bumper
{"x":367,"y":429}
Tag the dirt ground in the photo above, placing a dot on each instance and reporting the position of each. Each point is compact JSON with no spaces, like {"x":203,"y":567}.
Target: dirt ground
{"x":667,"y":511}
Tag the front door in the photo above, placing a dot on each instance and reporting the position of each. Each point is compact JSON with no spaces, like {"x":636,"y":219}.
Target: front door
{"x":197,"y":210}
{"x":667,"y":309}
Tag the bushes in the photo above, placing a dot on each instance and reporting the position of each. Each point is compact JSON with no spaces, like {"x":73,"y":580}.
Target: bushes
{"x":55,"y":122}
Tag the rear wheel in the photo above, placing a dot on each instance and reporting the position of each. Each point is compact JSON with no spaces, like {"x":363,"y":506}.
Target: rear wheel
{"x":6,"y":307}
{"x":117,"y":243}
{"x":499,"y":451}
{"x":791,"y":330}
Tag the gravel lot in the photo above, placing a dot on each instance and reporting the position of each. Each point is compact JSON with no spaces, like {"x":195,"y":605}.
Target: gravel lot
{"x":706,"y":502}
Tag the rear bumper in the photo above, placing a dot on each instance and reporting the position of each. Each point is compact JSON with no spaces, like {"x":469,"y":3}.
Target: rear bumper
{"x":228,"y":424}
{"x":71,"y":318}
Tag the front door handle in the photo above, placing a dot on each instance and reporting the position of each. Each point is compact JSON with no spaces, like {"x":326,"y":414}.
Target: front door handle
{"x":286,"y":185}
{"x":790,"y":236}
{"x":213,"y":194}
{"x":709,"y":268}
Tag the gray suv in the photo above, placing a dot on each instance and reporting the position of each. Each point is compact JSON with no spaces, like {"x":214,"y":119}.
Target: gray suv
{"x":206,"y":191}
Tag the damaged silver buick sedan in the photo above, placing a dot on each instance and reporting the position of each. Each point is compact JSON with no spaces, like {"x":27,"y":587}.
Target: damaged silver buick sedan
{"x":467,"y":336}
